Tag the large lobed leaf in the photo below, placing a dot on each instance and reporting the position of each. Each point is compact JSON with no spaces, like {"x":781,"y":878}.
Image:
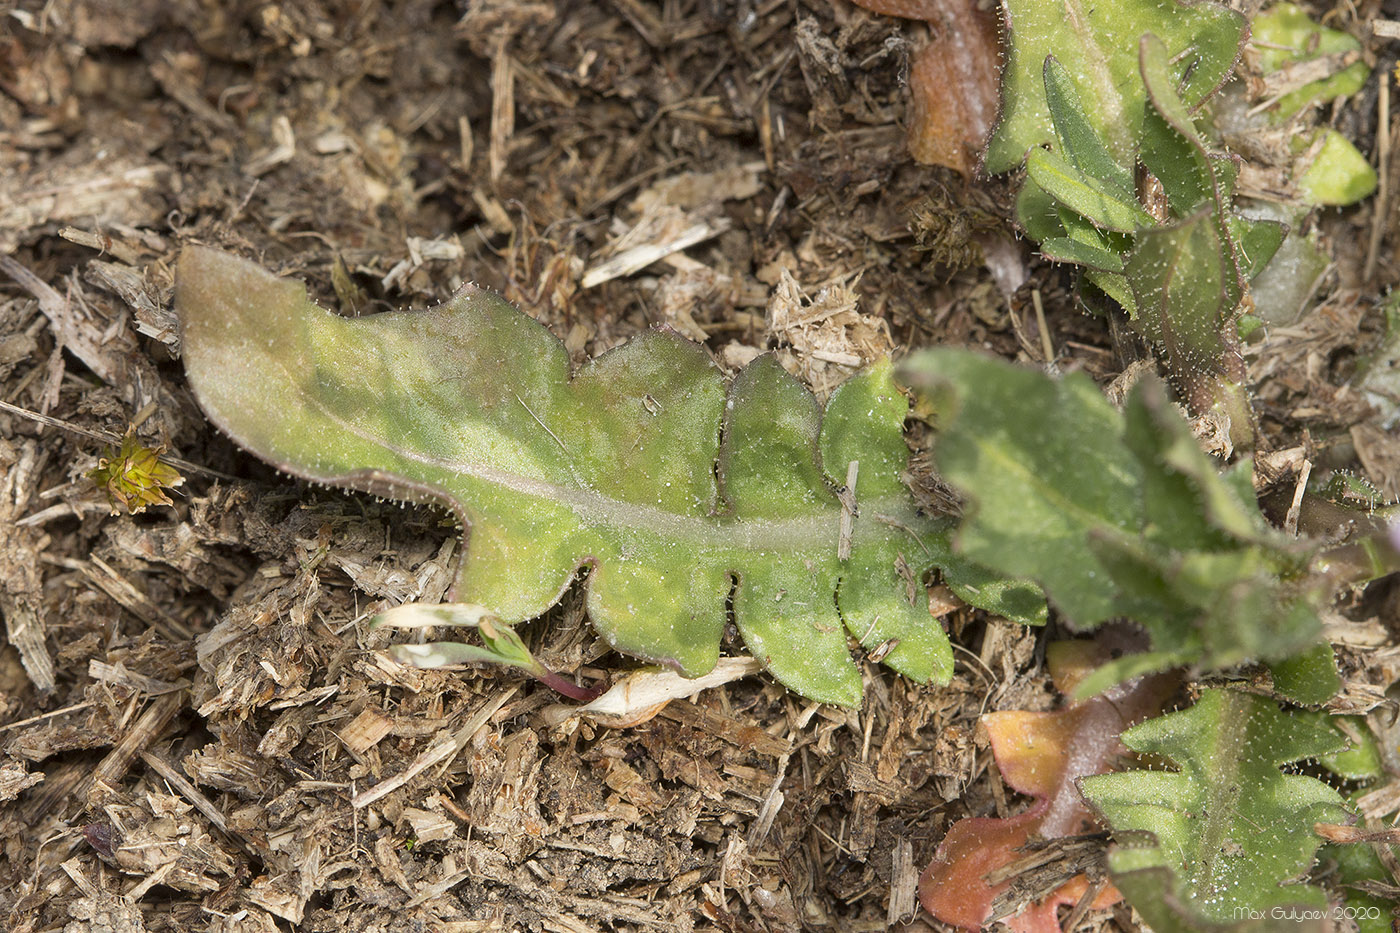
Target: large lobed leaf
{"x":1120,"y":514}
{"x":640,"y":466}
{"x":1216,"y":843}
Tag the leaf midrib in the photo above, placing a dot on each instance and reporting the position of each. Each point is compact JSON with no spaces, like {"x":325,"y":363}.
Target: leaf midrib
{"x":594,"y":508}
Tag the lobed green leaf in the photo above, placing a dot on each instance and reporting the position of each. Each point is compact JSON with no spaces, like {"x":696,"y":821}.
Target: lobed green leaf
{"x":674,"y":491}
{"x":1219,"y":840}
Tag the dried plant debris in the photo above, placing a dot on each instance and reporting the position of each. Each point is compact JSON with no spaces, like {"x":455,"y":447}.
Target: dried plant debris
{"x":952,"y":81}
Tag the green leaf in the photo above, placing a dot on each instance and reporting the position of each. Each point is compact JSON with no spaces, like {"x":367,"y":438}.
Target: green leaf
{"x":1067,"y":249}
{"x":1186,"y":290}
{"x":1257,"y":241}
{"x":1038,"y":213}
{"x":1285,"y":34}
{"x":1360,"y":760}
{"x":1359,"y":864}
{"x":1097,"y":45}
{"x":1114,"y":286}
{"x":1309,"y":677}
{"x":1171,"y":147}
{"x":1220,"y":839}
{"x":1115,"y":514}
{"x":1079,"y":142}
{"x":1338,"y":175}
{"x":1097,"y":201}
{"x":674,"y":491}
{"x":1043,"y":466}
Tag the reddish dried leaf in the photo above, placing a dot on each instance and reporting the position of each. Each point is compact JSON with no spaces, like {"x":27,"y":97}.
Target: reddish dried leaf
{"x":953,"y":80}
{"x":1041,"y":755}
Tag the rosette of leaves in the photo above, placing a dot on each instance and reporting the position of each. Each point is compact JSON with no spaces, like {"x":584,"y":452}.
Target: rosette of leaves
{"x":134,"y":477}
{"x":685,"y":498}
{"x":1176,"y":256}
{"x":1217,"y":843}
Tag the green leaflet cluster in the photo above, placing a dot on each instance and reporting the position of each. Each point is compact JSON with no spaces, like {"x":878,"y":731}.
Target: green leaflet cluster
{"x":680,"y":494}
{"x":1228,"y":831}
{"x":1098,"y":43}
{"x":1178,"y":260}
{"x":1121,"y":514}
{"x":1109,"y":105}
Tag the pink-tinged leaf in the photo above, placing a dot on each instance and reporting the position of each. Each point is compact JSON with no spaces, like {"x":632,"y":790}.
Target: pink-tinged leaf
{"x":1040,"y":755}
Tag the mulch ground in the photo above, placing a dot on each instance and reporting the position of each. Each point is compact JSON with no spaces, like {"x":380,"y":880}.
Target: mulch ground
{"x":198,"y":730}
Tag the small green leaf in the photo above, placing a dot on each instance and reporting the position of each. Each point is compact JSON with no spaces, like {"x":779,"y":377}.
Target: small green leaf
{"x":1257,"y":241}
{"x":1096,"y":200}
{"x":1338,"y":175}
{"x":1361,"y":759}
{"x":1079,"y":141}
{"x":1038,"y":213}
{"x":1309,"y":677}
{"x":1227,"y":833}
{"x":1065,"y":249}
{"x":1116,"y":287}
{"x":1171,"y":147}
{"x":1186,"y":290}
{"x":1097,"y":45}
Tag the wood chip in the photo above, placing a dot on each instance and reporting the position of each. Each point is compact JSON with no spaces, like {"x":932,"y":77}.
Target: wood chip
{"x":444,"y":748}
{"x":904,"y":884}
{"x":639,"y":257}
{"x":364,"y":731}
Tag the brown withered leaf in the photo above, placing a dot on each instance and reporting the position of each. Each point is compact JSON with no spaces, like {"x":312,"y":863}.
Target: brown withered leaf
{"x":953,"y":81}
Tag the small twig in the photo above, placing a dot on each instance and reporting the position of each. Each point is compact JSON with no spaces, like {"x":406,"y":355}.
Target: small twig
{"x":896,"y":523}
{"x":107,"y":437}
{"x":847,"y":495}
{"x":49,"y":715}
{"x":1085,"y":903}
{"x":1381,"y":207}
{"x":1290,"y":520}
{"x":444,"y":748}
{"x":541,"y":423}
{"x":1047,"y":346}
